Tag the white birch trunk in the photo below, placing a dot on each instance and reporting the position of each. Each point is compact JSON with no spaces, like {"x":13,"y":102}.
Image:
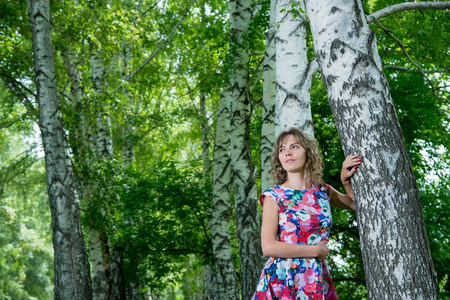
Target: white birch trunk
{"x":99,"y":284}
{"x":86,"y":184}
{"x":294,"y":72}
{"x":268,"y":102}
{"x":103,"y":151}
{"x":394,"y":243}
{"x":209,"y":285}
{"x":71,"y":265}
{"x":245,"y":189}
{"x":77,"y":95}
{"x":208,"y":277}
{"x":117,"y":280}
{"x":221,"y":206}
{"x":205,"y":139}
{"x":104,"y":140}
{"x":128,"y":134}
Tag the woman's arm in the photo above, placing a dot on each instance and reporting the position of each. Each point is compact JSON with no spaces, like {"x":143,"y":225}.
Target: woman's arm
{"x":349,"y":168}
{"x":340,"y":200}
{"x":272,"y":247}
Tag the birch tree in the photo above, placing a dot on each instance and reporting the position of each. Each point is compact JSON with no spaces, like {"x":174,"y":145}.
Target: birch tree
{"x":85,"y":184}
{"x":268,"y":102}
{"x":394,"y":243}
{"x":72,"y":278}
{"x":221,"y":204}
{"x":245,"y":189}
{"x":294,"y":71}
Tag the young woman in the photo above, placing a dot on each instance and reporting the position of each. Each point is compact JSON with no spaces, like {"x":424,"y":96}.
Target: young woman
{"x":297,"y":219}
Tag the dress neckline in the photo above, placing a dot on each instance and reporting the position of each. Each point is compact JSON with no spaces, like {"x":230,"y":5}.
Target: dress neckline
{"x":292,"y":189}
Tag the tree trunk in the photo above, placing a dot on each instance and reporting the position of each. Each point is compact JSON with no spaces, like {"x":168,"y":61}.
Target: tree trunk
{"x":268,"y":102}
{"x":128,"y":133}
{"x":245,"y":189}
{"x":72,"y":277}
{"x":104,"y":140}
{"x":208,"y":286}
{"x":294,"y":72}
{"x":85,"y":183}
{"x":205,"y":139}
{"x":221,"y":206}
{"x":394,"y":243}
{"x":103,"y":151}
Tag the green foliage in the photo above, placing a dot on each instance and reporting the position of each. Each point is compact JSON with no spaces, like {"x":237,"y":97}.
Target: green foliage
{"x":422,"y":116}
{"x":26,"y":253}
{"x":162,"y":220}
{"x":424,"y":40}
{"x":435,"y":198}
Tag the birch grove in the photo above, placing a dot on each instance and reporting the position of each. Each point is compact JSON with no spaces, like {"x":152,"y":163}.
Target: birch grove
{"x":394,"y":243}
{"x":128,"y":98}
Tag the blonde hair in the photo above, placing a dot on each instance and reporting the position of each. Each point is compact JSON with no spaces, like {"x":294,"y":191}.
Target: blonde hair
{"x":314,"y":164}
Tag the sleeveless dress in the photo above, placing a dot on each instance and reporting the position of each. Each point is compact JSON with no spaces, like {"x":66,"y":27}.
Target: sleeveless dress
{"x":304,"y":218}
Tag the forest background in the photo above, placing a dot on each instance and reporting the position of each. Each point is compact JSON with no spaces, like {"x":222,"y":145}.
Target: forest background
{"x":140,"y":85}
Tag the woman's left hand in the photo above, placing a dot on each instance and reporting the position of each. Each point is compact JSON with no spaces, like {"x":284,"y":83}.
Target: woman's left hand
{"x":349,"y":167}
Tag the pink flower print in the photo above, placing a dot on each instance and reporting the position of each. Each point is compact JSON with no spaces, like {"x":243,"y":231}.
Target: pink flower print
{"x":277,"y":289}
{"x":309,"y":288}
{"x":299,"y":280}
{"x":310,"y":283}
{"x":290,"y":227}
{"x":309,"y":276}
{"x":299,"y":207}
{"x":305,"y":226}
{"x":310,"y":210}
{"x":309,"y":199}
{"x":289,"y":237}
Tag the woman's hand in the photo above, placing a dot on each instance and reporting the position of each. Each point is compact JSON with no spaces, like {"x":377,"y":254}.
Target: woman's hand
{"x":323,"y":250}
{"x":349,"y":167}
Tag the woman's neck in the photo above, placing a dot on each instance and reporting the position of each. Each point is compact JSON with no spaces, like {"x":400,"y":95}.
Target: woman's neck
{"x":296,"y":181}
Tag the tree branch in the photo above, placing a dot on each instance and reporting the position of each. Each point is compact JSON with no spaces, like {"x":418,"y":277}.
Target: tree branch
{"x":10,"y":123}
{"x":399,"y":68}
{"x":392,"y":9}
{"x":389,"y":33}
{"x":199,"y":115}
{"x":161,"y":46}
{"x":18,"y":89}
{"x":150,"y":8}
{"x":256,"y":78}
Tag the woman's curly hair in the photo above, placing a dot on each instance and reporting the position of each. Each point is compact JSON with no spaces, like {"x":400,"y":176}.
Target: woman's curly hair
{"x":314,"y":163}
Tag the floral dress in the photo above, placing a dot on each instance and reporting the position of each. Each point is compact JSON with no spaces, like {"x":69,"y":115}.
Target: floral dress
{"x":304,"y":218}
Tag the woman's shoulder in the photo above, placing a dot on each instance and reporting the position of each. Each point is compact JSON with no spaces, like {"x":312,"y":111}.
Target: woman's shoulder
{"x":276,"y":192}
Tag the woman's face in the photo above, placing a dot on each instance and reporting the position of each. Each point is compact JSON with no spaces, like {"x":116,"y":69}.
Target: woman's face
{"x":292,"y":155}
